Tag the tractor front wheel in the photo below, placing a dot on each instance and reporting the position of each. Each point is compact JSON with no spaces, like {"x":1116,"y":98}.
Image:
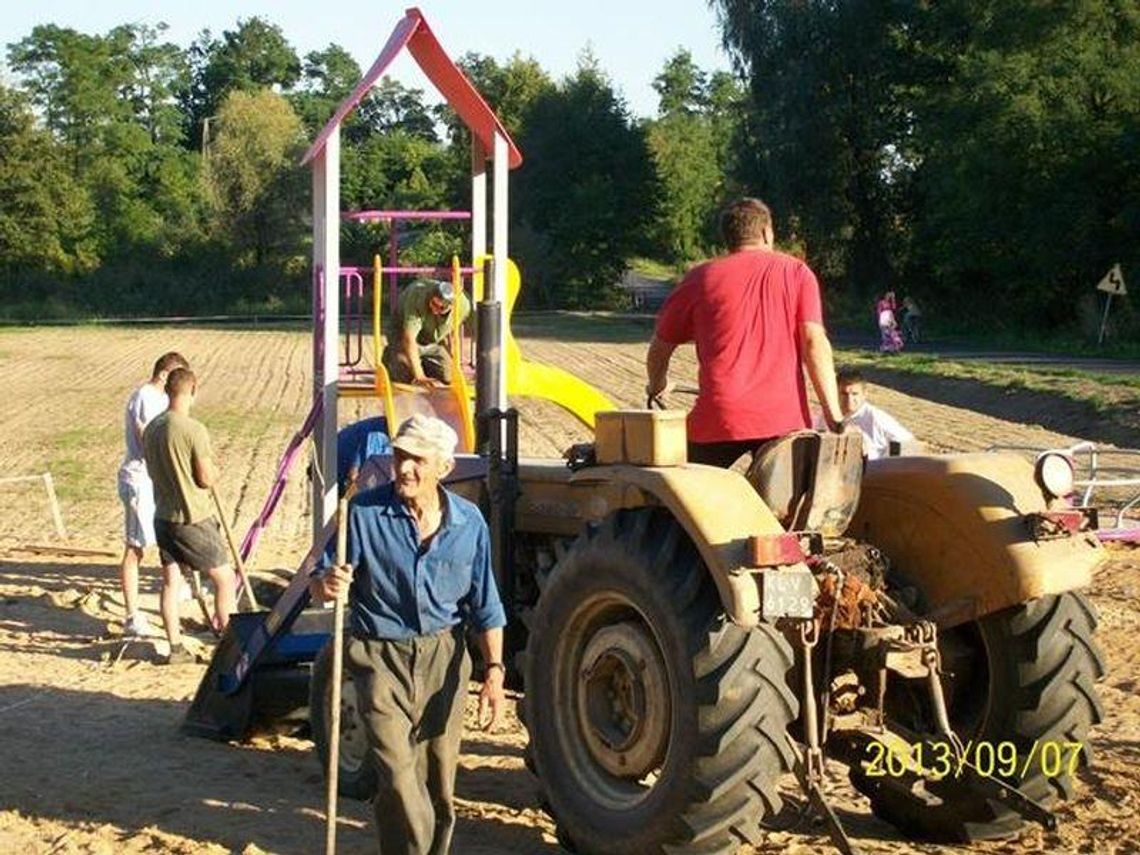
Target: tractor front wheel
{"x":655,"y":723}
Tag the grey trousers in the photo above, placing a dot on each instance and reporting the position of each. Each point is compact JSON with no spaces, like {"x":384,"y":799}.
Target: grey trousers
{"x":411,"y":696}
{"x":435,"y":359}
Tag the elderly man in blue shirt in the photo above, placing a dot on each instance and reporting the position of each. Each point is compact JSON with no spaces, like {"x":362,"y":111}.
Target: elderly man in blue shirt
{"x":419,"y":570}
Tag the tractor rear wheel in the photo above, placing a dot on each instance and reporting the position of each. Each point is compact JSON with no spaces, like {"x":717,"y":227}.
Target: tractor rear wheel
{"x":356,"y":777}
{"x":1024,"y":676}
{"x":655,"y":723}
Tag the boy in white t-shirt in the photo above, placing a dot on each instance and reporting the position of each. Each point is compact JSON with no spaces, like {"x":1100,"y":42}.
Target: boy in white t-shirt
{"x":879,"y":428}
{"x":135,"y":488}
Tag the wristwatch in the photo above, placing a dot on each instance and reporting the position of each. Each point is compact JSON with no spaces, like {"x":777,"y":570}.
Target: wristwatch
{"x":499,"y":665}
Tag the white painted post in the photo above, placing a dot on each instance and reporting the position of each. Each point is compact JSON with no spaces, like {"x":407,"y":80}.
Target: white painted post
{"x":478,"y":200}
{"x":1104,"y":319}
{"x":326,"y":259}
{"x":499,"y":249}
{"x":56,"y":516}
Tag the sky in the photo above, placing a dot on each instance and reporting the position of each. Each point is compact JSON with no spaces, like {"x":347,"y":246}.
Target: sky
{"x":631,"y":38}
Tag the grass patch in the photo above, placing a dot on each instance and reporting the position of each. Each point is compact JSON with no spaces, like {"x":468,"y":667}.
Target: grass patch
{"x":78,"y":472}
{"x":583,"y":327}
{"x":1106,"y":393}
{"x":653,"y":269}
{"x":232,"y":422}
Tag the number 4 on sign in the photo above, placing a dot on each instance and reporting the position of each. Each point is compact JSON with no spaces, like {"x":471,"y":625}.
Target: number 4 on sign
{"x":1112,"y":283}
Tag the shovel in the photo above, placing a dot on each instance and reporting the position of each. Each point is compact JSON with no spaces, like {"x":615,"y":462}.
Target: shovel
{"x":337,"y":673}
{"x":238,"y":563}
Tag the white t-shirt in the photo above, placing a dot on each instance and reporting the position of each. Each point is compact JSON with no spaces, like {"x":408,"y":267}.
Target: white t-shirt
{"x":879,"y":429}
{"x":145,"y":403}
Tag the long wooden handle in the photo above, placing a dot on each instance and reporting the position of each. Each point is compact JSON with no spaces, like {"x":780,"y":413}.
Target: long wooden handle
{"x":337,"y":672}
{"x":239,"y":565}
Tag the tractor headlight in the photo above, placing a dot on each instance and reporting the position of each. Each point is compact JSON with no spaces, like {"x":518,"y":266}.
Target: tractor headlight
{"x":1054,"y":474}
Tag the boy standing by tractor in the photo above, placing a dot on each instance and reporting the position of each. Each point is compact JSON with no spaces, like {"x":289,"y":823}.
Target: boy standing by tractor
{"x":879,"y":428}
{"x":136,"y":490}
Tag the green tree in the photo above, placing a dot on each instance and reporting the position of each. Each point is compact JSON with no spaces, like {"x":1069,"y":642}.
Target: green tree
{"x":327,"y":78}
{"x":585,"y":194}
{"x":45,"y":217}
{"x":685,"y":158}
{"x":254,"y":56}
{"x":829,"y":126}
{"x":510,"y":88}
{"x":391,"y":106}
{"x":691,"y":142}
{"x":398,"y":170}
{"x":1030,"y":169}
{"x":110,"y":101}
{"x":158,"y":71}
{"x":75,"y":81}
{"x":253,"y":182}
{"x":680,"y":86}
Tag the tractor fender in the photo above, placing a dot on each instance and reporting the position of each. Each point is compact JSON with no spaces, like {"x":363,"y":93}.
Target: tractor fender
{"x":956,"y":527}
{"x":719,"y":510}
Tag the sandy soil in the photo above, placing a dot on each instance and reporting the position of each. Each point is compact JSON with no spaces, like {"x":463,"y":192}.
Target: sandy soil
{"x":92,"y":758}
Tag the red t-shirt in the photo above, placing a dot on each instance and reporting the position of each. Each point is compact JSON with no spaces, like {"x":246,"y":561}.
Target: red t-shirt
{"x":744,"y":313}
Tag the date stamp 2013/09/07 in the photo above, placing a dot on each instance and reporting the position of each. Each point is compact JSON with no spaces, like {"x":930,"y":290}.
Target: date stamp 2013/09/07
{"x":939,"y":759}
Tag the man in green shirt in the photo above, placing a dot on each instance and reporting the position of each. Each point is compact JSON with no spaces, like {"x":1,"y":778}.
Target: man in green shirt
{"x":181,"y":464}
{"x":418,"y":333}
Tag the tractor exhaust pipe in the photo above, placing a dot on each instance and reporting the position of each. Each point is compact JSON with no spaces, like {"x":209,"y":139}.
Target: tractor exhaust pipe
{"x":488,"y":363}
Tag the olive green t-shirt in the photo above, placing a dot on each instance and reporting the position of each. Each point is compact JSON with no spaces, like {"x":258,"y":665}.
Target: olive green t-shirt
{"x":171,"y":443}
{"x":413,"y":315}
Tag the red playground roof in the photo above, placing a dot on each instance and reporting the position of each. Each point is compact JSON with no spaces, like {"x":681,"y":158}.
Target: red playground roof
{"x":414,"y":32}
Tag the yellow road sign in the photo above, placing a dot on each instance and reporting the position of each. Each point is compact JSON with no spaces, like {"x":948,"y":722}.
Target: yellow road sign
{"x":1113,"y":281}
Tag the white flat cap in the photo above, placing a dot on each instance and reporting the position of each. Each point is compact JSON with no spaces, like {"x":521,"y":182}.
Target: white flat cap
{"x":426,"y":436}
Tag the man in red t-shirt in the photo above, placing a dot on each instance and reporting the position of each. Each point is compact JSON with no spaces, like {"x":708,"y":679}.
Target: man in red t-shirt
{"x":756,"y":320}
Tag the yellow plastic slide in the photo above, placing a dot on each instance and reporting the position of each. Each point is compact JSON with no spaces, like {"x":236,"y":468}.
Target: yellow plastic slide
{"x":535,"y":380}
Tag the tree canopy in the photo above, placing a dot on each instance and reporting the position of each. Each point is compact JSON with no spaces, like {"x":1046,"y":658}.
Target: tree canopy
{"x":982,"y":156}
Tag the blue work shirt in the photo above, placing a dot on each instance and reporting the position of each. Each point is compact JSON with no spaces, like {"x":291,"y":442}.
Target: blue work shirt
{"x":358,"y":441}
{"x":402,"y":589}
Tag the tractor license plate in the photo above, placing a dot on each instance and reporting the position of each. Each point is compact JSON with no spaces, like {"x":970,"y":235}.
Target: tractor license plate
{"x":786,"y":593}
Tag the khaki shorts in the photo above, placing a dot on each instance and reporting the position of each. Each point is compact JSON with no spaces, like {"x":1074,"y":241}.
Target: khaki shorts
{"x":194,"y":546}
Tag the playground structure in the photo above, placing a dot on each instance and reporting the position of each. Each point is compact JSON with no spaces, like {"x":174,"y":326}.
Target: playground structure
{"x":675,"y":624}
{"x":348,"y":310}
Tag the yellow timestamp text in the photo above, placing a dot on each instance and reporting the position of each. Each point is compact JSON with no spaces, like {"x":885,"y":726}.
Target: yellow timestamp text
{"x":942,"y":759}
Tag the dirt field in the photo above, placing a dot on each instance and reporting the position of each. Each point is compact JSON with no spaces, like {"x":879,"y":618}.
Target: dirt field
{"x":92,"y":758}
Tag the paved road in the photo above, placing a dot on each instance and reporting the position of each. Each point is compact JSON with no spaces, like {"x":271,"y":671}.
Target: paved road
{"x":1094,"y":364}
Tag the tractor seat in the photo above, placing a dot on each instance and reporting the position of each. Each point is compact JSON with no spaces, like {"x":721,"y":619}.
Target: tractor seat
{"x":810,"y":480}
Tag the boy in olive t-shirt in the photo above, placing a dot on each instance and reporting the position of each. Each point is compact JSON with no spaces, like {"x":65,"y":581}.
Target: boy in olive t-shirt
{"x":180,"y":462}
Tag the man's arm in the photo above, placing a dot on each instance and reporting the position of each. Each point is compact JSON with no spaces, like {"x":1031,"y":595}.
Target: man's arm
{"x":820,"y":363}
{"x":202,"y":462}
{"x":411,"y":350}
{"x":657,"y":366}
{"x":891,"y":426}
{"x":492,"y":696}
